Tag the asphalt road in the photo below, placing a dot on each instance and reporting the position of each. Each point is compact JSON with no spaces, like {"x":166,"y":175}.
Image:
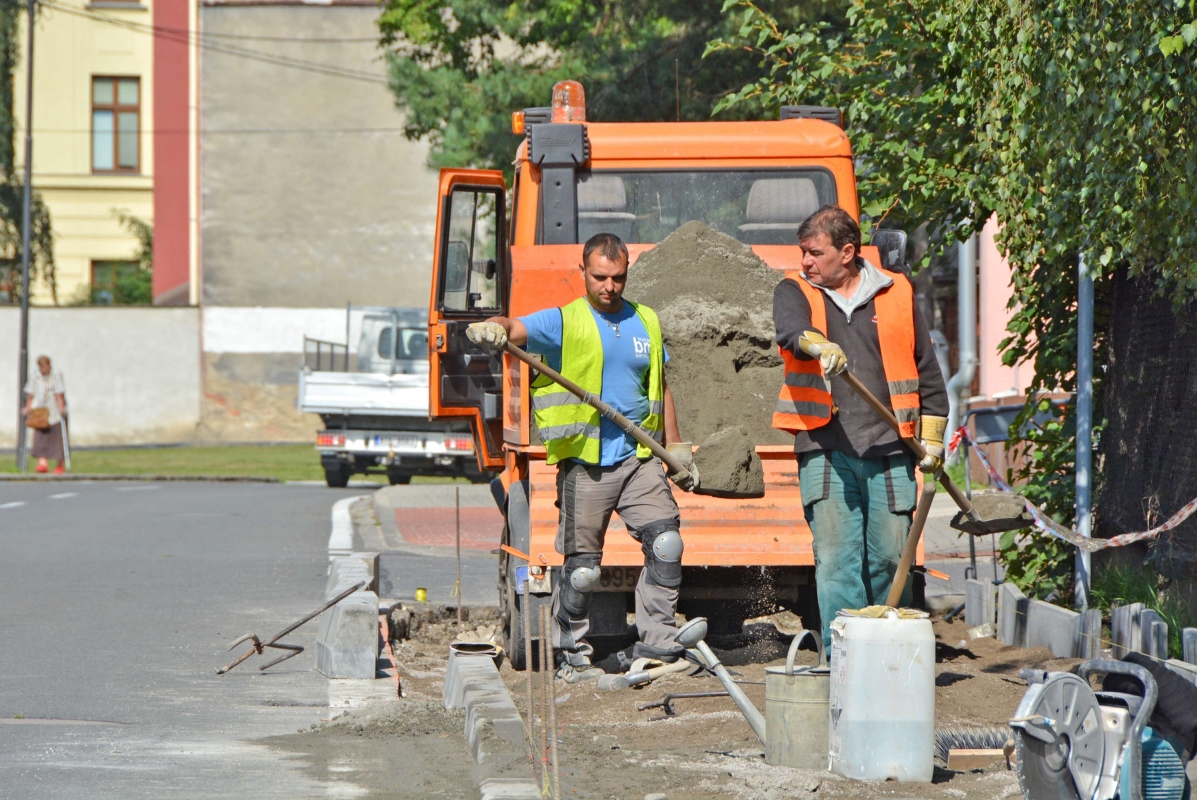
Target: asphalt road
{"x":119,"y":600}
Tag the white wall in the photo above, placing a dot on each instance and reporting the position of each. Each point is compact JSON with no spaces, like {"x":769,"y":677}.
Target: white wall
{"x":132,"y":374}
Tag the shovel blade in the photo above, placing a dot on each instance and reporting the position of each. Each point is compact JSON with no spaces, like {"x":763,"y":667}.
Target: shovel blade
{"x":998,"y":512}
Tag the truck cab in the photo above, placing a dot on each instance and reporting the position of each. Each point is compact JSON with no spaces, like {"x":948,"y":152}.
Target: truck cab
{"x":512,"y":251}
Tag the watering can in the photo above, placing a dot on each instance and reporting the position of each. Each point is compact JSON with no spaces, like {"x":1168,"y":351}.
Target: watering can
{"x":795,"y":724}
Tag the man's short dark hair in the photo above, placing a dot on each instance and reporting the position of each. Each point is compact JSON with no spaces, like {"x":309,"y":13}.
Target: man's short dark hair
{"x":607,"y":245}
{"x":836,"y":223}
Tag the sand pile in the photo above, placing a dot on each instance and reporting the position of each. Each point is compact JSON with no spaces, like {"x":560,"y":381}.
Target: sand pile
{"x":715,"y":301}
{"x":727,"y":462}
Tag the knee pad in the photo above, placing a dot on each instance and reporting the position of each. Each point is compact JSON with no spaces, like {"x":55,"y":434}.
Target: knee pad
{"x":662,"y":546}
{"x":579,"y":576}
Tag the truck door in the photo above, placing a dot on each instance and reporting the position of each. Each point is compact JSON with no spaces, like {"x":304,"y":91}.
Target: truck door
{"x":469,"y":284}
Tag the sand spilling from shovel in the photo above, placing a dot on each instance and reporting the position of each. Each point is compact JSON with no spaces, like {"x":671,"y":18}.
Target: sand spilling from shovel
{"x":715,"y":300}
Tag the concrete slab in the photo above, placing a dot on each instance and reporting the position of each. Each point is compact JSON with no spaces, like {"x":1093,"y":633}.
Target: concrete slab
{"x":1125,"y":633}
{"x":494,"y":729}
{"x":344,"y":571}
{"x":980,"y":599}
{"x":1012,"y":615}
{"x":1183,"y":669}
{"x":1088,"y":635}
{"x":1052,"y":627}
{"x":1189,"y":642}
{"x":347,"y":640}
{"x":1155,"y":634}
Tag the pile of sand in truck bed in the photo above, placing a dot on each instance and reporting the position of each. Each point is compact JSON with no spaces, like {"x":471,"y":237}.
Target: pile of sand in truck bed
{"x":715,"y":300}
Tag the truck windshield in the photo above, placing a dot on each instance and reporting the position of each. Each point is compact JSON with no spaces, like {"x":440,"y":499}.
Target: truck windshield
{"x":411,"y":344}
{"x":756,"y":206}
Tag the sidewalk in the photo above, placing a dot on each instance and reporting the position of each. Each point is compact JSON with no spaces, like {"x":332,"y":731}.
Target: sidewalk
{"x":426,"y":516}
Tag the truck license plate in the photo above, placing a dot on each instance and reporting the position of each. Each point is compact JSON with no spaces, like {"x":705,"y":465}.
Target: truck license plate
{"x":618,"y":579}
{"x":406,"y":442}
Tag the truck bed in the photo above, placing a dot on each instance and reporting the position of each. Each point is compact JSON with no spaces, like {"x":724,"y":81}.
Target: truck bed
{"x":376,"y":394}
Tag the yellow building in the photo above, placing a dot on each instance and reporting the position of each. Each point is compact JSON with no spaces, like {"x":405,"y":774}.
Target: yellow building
{"x":95,"y":152}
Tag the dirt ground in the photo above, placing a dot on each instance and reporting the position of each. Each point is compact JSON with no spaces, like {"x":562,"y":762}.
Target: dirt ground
{"x":609,"y":749}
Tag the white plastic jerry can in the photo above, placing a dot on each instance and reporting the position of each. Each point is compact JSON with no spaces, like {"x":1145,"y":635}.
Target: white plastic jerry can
{"x":882,"y":705}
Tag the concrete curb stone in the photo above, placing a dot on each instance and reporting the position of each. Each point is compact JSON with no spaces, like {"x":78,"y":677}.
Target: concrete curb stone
{"x":980,"y":599}
{"x":385,"y":514}
{"x":347,"y":640}
{"x":1012,"y":615}
{"x":493,"y":728}
{"x":1052,"y":627}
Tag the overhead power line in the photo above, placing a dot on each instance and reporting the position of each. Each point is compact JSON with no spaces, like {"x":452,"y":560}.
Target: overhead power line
{"x":197,"y":39}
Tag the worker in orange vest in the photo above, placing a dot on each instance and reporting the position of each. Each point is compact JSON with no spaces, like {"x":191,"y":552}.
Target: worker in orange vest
{"x":857,"y":477}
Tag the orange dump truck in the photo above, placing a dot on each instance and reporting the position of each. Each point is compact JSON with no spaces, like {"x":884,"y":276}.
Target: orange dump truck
{"x":756,"y":181}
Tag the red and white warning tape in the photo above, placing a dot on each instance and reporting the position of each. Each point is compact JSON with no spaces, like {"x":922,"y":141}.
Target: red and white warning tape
{"x":1048,"y":525}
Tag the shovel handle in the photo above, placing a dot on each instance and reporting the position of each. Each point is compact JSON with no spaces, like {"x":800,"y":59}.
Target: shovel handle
{"x":915,"y":445}
{"x":912,"y":544}
{"x":625,"y":424}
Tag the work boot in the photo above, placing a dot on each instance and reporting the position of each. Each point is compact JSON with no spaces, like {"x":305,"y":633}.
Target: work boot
{"x":571,"y":674}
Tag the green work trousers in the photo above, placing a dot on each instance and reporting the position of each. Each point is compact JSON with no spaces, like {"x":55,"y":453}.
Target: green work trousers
{"x":859,"y":510}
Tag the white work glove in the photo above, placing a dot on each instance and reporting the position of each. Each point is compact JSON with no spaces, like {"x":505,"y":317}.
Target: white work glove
{"x":931,"y":431}
{"x":830,"y":354}
{"x":684,"y":452}
{"x":490,"y":335}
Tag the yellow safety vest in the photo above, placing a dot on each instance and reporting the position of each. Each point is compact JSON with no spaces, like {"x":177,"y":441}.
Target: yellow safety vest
{"x":569,"y":427}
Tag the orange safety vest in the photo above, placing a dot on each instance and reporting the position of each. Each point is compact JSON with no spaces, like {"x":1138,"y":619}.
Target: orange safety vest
{"x":805,"y":400}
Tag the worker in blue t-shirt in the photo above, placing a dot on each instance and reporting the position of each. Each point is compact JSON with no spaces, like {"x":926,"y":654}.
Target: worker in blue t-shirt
{"x":612,"y":348}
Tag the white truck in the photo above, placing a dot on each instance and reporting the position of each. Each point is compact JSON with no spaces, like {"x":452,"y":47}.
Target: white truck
{"x":375,"y":405}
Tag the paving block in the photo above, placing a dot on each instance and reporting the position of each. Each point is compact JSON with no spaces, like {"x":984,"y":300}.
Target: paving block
{"x":1125,"y":633}
{"x":347,"y":640}
{"x":1088,"y":635}
{"x":1183,"y":669}
{"x":1012,"y":615}
{"x":1052,"y":627}
{"x":1189,"y":641}
{"x":980,"y":603}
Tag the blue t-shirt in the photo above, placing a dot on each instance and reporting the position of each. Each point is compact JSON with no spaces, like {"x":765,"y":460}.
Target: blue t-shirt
{"x":626,"y":353}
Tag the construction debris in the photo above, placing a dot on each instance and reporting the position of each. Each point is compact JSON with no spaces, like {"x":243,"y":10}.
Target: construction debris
{"x":728,"y":460}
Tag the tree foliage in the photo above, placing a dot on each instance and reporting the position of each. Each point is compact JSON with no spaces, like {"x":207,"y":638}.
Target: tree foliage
{"x":460,"y":67}
{"x":1072,"y":121}
{"x":12,"y":187}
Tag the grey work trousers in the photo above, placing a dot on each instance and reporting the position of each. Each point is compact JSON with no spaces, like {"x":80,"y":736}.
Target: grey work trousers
{"x":586,"y":495}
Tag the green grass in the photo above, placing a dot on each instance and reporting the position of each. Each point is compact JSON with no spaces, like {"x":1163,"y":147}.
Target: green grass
{"x":1121,"y":586}
{"x":956,"y":473}
{"x":291,"y":462}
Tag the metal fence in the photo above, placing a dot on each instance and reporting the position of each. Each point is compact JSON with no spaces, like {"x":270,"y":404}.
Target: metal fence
{"x":321,"y":356}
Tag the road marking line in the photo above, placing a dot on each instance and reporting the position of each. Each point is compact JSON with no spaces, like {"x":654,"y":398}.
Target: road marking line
{"x":136,"y":488}
{"x":16,"y":504}
{"x":340,"y":541}
{"x":64,"y":495}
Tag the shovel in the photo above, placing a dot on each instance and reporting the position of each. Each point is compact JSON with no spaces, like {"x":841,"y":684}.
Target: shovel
{"x":969,"y":520}
{"x":679,"y":472}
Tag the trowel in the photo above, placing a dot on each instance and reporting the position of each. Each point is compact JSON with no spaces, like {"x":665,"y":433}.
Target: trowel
{"x":626,"y":425}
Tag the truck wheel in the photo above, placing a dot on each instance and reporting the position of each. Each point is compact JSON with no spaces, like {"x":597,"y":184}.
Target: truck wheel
{"x":515,"y":619}
{"x":397,"y":479}
{"x":337,"y":477}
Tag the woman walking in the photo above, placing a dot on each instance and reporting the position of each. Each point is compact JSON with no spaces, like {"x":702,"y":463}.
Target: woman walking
{"x":45,"y":411}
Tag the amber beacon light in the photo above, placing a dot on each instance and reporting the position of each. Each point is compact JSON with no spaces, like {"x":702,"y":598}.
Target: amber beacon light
{"x":517,"y":123}
{"x":569,"y":102}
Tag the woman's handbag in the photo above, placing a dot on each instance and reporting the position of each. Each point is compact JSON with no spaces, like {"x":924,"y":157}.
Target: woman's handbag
{"x":39,"y":419}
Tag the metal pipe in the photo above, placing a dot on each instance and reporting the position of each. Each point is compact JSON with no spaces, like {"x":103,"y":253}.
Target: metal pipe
{"x":26,"y":235}
{"x":1084,"y":427}
{"x":756,"y":720}
{"x":966,"y":313}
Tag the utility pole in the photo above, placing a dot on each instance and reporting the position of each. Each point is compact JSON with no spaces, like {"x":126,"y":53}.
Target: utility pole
{"x":1084,"y":428}
{"x":26,"y":234}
